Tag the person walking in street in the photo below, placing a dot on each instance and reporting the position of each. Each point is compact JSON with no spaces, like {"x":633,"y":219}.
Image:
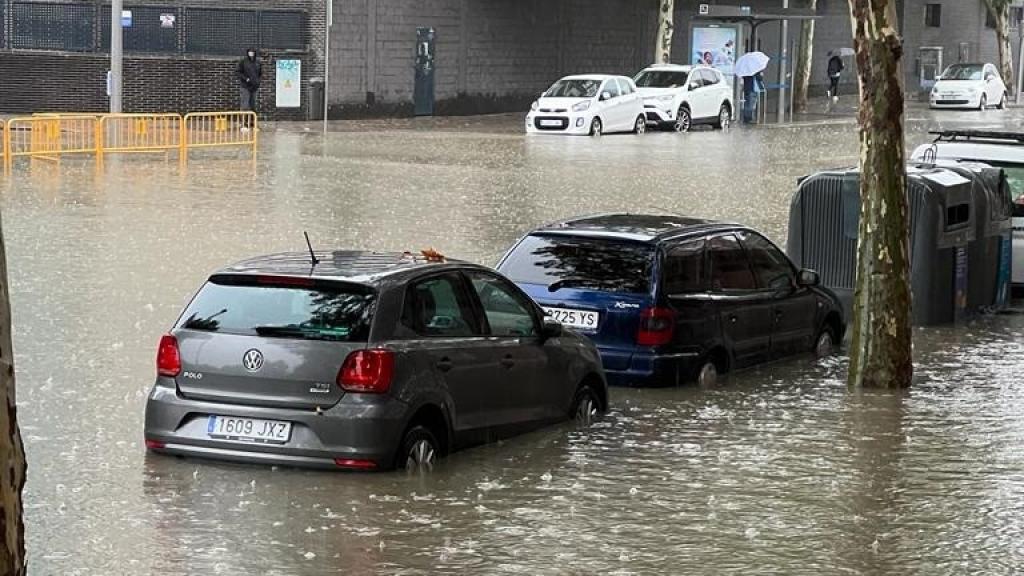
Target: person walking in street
{"x":250,"y":73}
{"x":752,"y":88}
{"x":835,"y":71}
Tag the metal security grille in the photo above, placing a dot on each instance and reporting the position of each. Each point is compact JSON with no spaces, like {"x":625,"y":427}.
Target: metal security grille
{"x":3,"y":24}
{"x":40,"y":26}
{"x":154,"y":29}
{"x":282,"y":30}
{"x":216,"y":31}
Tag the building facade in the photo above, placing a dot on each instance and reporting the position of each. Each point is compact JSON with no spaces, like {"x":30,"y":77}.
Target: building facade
{"x":485,"y":55}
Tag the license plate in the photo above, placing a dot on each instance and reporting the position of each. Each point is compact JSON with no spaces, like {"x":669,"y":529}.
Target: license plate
{"x":550,"y":122}
{"x":582,"y":319}
{"x":249,"y":429}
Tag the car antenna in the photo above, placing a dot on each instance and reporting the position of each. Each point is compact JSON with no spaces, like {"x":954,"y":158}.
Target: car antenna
{"x":312,"y":255}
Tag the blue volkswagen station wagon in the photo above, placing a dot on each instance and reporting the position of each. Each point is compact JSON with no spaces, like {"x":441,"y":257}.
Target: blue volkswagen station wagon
{"x":668,"y":299}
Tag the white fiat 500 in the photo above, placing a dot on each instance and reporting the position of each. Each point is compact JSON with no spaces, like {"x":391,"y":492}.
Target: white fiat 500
{"x":969,"y":86}
{"x":591,"y":104}
{"x":679,"y":97}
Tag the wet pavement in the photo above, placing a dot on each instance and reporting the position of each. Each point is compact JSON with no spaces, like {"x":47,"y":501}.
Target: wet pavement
{"x":778,"y":470}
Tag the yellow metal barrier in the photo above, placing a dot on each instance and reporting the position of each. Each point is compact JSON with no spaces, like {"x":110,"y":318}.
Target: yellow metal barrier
{"x":3,"y":144}
{"x":50,"y":137}
{"x":207,"y":129}
{"x":140,"y":132}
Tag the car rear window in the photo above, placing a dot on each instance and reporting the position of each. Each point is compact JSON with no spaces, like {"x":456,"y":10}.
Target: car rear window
{"x":1015,"y":177}
{"x":583,"y":263}
{"x":281,"y":308}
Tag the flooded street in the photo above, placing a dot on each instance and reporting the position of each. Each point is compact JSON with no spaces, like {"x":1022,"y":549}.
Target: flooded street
{"x":778,"y":470}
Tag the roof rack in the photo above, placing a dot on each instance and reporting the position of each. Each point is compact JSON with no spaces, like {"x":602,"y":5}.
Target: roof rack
{"x":975,"y":135}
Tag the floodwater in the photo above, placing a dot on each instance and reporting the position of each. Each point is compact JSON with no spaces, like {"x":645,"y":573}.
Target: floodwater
{"x":778,"y":470}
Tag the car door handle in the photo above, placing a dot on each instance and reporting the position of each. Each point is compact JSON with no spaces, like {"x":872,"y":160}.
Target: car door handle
{"x":444,"y":364}
{"x":508,"y":361}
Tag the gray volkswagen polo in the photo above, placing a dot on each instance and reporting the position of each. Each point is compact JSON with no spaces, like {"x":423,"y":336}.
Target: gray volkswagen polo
{"x":362,"y":360}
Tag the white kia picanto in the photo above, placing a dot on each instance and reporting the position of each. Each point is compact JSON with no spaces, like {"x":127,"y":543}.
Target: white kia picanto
{"x":588,"y":105}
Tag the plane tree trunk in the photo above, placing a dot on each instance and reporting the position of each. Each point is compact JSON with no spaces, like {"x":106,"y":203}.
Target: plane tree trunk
{"x":663,"y":49}
{"x":804,"y":60}
{"x":880,"y":353}
{"x":1000,"y":10}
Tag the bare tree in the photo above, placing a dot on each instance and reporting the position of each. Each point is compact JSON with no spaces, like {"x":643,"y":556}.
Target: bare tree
{"x":880,"y":354}
{"x":1000,"y":10}
{"x":804,"y":60}
{"x":663,"y":49}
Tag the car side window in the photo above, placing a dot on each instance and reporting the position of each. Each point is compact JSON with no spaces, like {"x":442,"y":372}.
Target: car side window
{"x":624,"y":87}
{"x":695,"y":81}
{"x":612,"y":88}
{"x":772,"y":268}
{"x":710,"y":78}
{"x":507,"y":312}
{"x":730,"y":268}
{"x":439,"y":307}
{"x":684,"y":271}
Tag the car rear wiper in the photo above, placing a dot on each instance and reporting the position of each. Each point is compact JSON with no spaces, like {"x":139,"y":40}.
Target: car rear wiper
{"x":567,"y":283}
{"x":301,"y":332}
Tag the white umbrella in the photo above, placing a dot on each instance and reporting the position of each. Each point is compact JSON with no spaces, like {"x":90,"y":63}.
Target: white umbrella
{"x":843,"y":52}
{"x":751,"y":63}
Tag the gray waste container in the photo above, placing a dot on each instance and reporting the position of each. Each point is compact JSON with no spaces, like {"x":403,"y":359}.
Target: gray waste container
{"x":989,"y":255}
{"x":315,"y":110}
{"x":823,"y":229}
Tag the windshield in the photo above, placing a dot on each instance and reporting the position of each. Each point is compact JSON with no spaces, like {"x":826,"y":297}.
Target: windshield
{"x":339,"y":313}
{"x":583,"y":263}
{"x":1015,"y":177}
{"x":661,"y":79}
{"x":573,"y":89}
{"x":962,"y":72}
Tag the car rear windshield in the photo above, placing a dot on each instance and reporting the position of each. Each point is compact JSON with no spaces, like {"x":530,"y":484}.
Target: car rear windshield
{"x":1015,"y":177}
{"x":962,"y":72}
{"x":577,"y":262}
{"x":578,"y":88}
{"x":279,"y":308}
{"x":661,"y":79}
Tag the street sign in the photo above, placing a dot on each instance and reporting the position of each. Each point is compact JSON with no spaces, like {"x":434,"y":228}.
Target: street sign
{"x":288,"y":83}
{"x":126,"y":18}
{"x":703,"y":9}
{"x":167,"y":20}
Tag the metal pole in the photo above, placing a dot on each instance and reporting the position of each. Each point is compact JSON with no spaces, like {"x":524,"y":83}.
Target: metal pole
{"x":327,"y":57}
{"x":116,"y":55}
{"x":1020,"y":61}
{"x":783,"y":53}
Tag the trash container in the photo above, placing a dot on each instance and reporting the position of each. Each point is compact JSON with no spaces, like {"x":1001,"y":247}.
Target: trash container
{"x":823,"y":229}
{"x":315,"y":110}
{"x":989,"y":255}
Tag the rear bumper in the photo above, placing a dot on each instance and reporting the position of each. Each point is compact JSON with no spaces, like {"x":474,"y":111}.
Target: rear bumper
{"x":357,"y":428}
{"x":651,"y":369}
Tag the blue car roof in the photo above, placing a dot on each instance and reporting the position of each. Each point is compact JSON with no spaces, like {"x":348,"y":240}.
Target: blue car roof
{"x":633,"y":227}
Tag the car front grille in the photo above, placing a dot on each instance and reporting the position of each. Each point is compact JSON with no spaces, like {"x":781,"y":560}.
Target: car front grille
{"x":554,"y":110}
{"x":540,"y":121}
{"x":951,"y":102}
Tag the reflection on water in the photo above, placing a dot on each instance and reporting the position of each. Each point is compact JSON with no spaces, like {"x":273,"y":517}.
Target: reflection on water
{"x":779,"y":470}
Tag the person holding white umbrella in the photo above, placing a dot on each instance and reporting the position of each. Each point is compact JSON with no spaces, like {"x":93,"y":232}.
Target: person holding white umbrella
{"x":749,"y":67}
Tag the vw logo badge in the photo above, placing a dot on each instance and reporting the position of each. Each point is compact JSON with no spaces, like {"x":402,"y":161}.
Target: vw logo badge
{"x":253,"y":360}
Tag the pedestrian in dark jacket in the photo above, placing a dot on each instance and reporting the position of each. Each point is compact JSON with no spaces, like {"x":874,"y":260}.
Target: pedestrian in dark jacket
{"x":835,"y":70}
{"x":250,"y":73}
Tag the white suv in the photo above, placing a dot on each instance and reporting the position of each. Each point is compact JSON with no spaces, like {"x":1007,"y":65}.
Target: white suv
{"x":681,"y":96}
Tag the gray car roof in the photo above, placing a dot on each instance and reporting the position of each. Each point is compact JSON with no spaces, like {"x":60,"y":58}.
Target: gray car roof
{"x":358,"y":266}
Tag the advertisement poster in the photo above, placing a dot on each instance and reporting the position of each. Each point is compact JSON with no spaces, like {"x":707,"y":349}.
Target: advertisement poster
{"x":714,"y":46}
{"x":289,"y":81}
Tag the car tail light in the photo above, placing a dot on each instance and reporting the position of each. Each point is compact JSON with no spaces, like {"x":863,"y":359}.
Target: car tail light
{"x":168,"y":360}
{"x":656,"y":327}
{"x":154,"y":444}
{"x":356,"y":464}
{"x":367,"y":371}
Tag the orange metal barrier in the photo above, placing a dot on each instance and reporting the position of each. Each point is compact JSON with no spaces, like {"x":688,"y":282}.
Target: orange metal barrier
{"x":49,"y":137}
{"x":140,"y":133}
{"x":207,"y":129}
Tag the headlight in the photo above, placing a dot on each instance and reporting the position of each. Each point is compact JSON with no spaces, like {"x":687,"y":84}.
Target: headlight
{"x":666,"y":98}
{"x":534,"y":106}
{"x":581,"y":106}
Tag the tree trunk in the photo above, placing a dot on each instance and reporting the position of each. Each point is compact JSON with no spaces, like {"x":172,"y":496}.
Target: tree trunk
{"x":804,"y":60}
{"x":663,"y":49}
{"x":880,"y":354}
{"x":12,"y":452}
{"x":1000,"y":10}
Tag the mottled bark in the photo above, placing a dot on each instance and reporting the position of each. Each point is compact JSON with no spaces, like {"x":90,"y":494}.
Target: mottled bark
{"x":12,"y":452}
{"x":663,"y":49}
{"x":1000,"y":10}
{"x":880,"y":354}
{"x":803,"y":61}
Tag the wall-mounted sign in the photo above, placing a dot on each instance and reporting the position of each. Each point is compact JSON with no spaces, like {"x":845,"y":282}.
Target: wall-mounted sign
{"x":288,"y":84}
{"x":126,"y":18}
{"x":703,"y":9}
{"x":167,"y":20}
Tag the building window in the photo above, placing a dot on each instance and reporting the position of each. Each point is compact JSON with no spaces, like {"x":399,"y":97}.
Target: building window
{"x":1016,"y":15}
{"x":990,"y":20}
{"x":933,"y":15}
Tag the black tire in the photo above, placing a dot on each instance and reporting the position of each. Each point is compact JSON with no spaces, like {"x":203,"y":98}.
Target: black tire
{"x":596,"y":127}
{"x":586,"y":406}
{"x":1002,"y":102}
{"x":419,"y":450}
{"x":724,"y":117}
{"x":983,"y":103}
{"x":825,"y":343}
{"x":707,"y":373}
{"x":640,"y":126}
{"x":683,"y":120}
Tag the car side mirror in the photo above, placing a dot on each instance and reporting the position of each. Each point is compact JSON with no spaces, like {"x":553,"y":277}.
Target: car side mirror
{"x":606,"y":96}
{"x":694,"y":85}
{"x":551,"y":328}
{"x":808,"y":278}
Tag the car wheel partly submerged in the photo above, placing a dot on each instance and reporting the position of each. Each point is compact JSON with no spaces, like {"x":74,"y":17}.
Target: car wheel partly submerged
{"x":825,"y":344}
{"x":641,"y":125}
{"x":707,"y":376}
{"x":420,"y":450}
{"x":585,"y":406}
{"x":596,"y":127}
{"x":724,"y":118}
{"x":683,"y":120}
{"x":984,"y":102}
{"x":1002,"y":102}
